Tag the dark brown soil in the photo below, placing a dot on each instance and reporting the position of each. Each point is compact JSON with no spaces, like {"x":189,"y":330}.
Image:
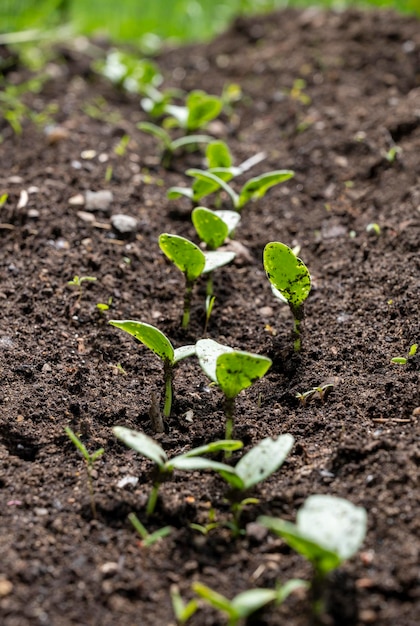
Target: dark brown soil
{"x":59,"y":357}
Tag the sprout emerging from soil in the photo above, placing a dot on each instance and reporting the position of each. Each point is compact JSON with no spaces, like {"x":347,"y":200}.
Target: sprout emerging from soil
{"x":248,"y":602}
{"x":156,"y":341}
{"x":232,"y":370}
{"x":200,"y":109}
{"x":192,"y":262}
{"x":329,"y":530}
{"x":291,"y":281}
{"x":90,"y":460}
{"x":170,"y":146}
{"x":190,"y":461}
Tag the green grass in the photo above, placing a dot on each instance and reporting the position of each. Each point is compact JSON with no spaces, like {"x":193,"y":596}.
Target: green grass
{"x":180,"y":20}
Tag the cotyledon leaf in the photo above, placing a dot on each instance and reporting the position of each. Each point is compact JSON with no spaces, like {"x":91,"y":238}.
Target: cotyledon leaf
{"x":150,"y":336}
{"x":287,"y":273}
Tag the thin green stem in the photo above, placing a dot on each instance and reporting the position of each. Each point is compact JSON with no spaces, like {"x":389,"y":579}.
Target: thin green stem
{"x":229,"y":413}
{"x":209,"y":285}
{"x":298,"y":316}
{"x":168,"y":375}
{"x":151,"y":503}
{"x":187,"y":303}
{"x":318,"y":591}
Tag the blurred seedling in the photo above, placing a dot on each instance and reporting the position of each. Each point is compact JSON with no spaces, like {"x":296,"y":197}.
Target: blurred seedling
{"x":200,"y":109}
{"x":321,"y":392}
{"x":291,"y":281}
{"x":190,"y":461}
{"x":3,"y":199}
{"x":77,"y":282}
{"x":220,"y":164}
{"x":148,"y":539}
{"x":232,"y":370}
{"x":213,"y":227}
{"x":156,"y":341}
{"x":129,"y":72}
{"x":90,"y":460}
{"x":104,"y":306}
{"x":328,"y":531}
{"x":248,"y":602}
{"x":182,"y":610}
{"x":253,"y":189}
{"x":373,"y":227}
{"x":168,"y":145}
{"x":192,"y":262}
{"x":403,"y":360}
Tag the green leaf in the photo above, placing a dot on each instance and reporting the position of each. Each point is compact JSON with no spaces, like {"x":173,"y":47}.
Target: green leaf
{"x":263,"y":459}
{"x":194,"y":463}
{"x":212,"y":178}
{"x":217,"y":258}
{"x":218,"y":155}
{"x":211,"y":228}
{"x":174,"y":193}
{"x":249,"y":601}
{"x":257,"y":187}
{"x":204,"y":187}
{"x":143,"y":444}
{"x":237,"y":370}
{"x":183,"y":352}
{"x":184,"y":253}
{"x":202,"y":108}
{"x":189,"y":140}
{"x":287,"y":273}
{"x":215,"y":599}
{"x":413,"y":350}
{"x":208,"y":351}
{"x":156,"y":131}
{"x":399,"y":360}
{"x":329,"y":530}
{"x":150,"y":336}
{"x":215,"y":446}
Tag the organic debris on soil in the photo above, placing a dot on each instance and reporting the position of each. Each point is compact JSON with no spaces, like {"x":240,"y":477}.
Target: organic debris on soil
{"x":61,"y":364}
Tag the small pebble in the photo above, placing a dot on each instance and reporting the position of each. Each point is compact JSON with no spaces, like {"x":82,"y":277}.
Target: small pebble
{"x":6,"y":587}
{"x":124,"y":224}
{"x":98,"y":200}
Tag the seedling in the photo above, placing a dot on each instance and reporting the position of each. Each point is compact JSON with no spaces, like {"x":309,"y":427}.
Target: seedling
{"x":104,"y":306}
{"x":210,"y":300}
{"x":214,"y":226}
{"x":156,"y":341}
{"x":220,"y":164}
{"x":192,"y":262}
{"x":253,"y":189}
{"x":373,"y":228}
{"x":321,"y":390}
{"x":170,"y":146}
{"x":77,"y":282}
{"x":190,"y":461}
{"x":329,"y":530}
{"x":129,"y":72}
{"x":200,"y":109}
{"x":3,"y":199}
{"x":402,"y":360}
{"x":148,"y":539}
{"x":291,"y":278}
{"x":90,"y":460}
{"x":232,"y":370}
{"x":248,"y":602}
{"x":182,"y":611}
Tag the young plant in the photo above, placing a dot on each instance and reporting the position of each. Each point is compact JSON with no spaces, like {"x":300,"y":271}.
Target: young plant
{"x":192,"y":262}
{"x":182,"y":611}
{"x":168,"y":145}
{"x":402,"y":360}
{"x":190,"y":461}
{"x":214,"y":226}
{"x":156,"y":341}
{"x":148,"y":539}
{"x":291,"y":279}
{"x":90,"y":460}
{"x":248,"y":602}
{"x":220,"y":164}
{"x":129,"y":72}
{"x":200,"y":109}
{"x":322,"y":391}
{"x":232,"y":370}
{"x":329,"y":530}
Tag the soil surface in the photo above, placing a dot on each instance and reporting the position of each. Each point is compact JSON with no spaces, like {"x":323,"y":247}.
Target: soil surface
{"x":351,"y":133}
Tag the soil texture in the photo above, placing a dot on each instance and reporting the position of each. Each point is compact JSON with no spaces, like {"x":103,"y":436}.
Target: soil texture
{"x":350,"y":129}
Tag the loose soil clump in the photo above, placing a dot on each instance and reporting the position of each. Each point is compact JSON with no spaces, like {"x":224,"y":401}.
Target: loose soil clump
{"x":62,"y":365}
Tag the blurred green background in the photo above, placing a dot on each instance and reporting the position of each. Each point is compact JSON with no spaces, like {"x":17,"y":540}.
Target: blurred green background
{"x":134,"y":20}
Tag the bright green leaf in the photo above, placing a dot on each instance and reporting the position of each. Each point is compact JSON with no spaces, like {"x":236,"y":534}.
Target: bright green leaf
{"x":287,"y":273}
{"x":237,"y":370}
{"x":252,"y":600}
{"x":202,"y":108}
{"x":211,"y":228}
{"x":150,"y":336}
{"x":184,"y":253}
{"x":208,"y":351}
{"x":218,"y":155}
{"x":257,"y":187}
